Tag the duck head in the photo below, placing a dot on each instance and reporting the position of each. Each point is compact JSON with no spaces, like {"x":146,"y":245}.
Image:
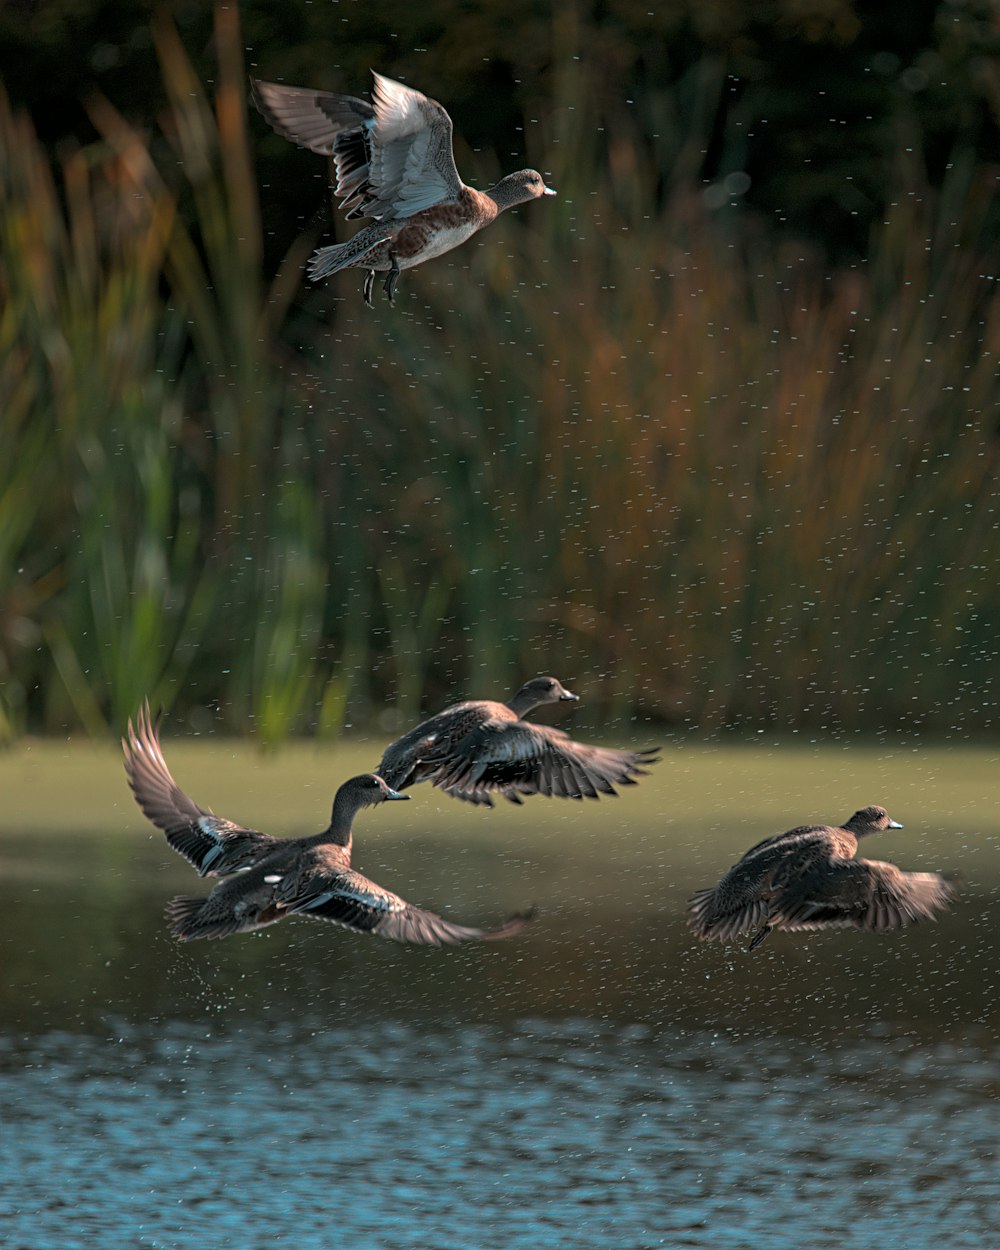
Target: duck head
{"x":871,"y":820}
{"x":526,"y":184}
{"x":367,"y":790}
{"x":538,"y":691}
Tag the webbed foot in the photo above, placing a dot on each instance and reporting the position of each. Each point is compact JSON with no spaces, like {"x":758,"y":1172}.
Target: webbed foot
{"x":389,"y":286}
{"x":759,"y":936}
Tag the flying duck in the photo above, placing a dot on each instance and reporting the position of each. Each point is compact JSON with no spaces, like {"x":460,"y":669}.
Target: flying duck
{"x":267,"y":878}
{"x":394,"y":163}
{"x":480,"y":748}
{"x":808,"y":878}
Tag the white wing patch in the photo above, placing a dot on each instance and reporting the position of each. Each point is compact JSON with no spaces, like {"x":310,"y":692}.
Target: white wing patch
{"x":380,"y":900}
{"x":411,"y":166}
{"x":397,"y":108}
{"x":210,"y":826}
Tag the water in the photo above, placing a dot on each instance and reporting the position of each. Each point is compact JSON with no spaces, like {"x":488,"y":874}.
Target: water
{"x":564,"y":1133}
{"x":603,"y":1083}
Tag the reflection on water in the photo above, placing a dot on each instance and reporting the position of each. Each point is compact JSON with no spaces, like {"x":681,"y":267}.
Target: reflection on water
{"x":568,"y":1133}
{"x":603,"y":1082}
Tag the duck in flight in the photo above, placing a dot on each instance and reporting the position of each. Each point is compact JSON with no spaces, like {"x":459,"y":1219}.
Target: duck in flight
{"x":480,"y":748}
{"x":269,"y":879}
{"x":808,"y":878}
{"x":394,"y":163}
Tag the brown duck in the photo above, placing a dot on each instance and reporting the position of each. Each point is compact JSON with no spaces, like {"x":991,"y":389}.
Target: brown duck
{"x":477,"y":749}
{"x":808,"y":878}
{"x":394,"y":163}
{"x":273,"y":878}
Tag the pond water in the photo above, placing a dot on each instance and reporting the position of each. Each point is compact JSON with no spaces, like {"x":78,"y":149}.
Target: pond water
{"x":572,"y":1133}
{"x":602,"y":1082}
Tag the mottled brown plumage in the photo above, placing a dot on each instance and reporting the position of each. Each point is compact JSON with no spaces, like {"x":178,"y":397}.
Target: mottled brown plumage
{"x":480,"y":748}
{"x":269,"y":878}
{"x":394,"y":163}
{"x":808,"y":878}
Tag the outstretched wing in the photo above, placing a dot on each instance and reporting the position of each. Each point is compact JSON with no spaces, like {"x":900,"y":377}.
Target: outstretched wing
{"x":863,"y":894}
{"x":393,"y":160}
{"x":333,"y":125}
{"x":349,"y":899}
{"x":515,"y":758}
{"x":412,"y":166}
{"x":214,"y":845}
{"x":312,"y":119}
{"x":402,"y":763}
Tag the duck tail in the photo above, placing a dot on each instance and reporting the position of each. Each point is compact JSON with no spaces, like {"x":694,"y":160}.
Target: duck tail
{"x":339,"y":256}
{"x":702,"y":916}
{"x":187,"y":920}
{"x":329,"y":260}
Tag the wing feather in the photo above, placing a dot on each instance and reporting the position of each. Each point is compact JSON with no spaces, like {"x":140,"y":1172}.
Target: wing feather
{"x":213,"y":845}
{"x":864,"y":894}
{"x":393,"y":159}
{"x":518,"y":757}
{"x":354,"y":902}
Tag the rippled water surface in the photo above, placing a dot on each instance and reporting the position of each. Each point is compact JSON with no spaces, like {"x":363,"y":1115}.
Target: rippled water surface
{"x":567,"y":1133}
{"x":602,"y":1083}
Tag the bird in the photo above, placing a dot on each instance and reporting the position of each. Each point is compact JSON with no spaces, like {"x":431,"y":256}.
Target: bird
{"x":394,"y":163}
{"x":808,"y":878}
{"x":268,"y":879}
{"x":476,"y":749}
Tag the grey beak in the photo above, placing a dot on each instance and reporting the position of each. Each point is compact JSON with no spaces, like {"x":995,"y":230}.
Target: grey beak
{"x":894,"y":824}
{"x":568,"y":696}
{"x":548,"y":191}
{"x":394,"y":794}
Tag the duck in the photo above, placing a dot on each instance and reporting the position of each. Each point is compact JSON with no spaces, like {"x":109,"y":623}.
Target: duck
{"x":808,"y":878}
{"x":481,"y":748}
{"x":268,"y":879}
{"x":394,"y":163}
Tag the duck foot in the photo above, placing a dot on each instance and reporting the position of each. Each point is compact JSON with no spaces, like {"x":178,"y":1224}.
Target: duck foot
{"x":366,"y":290}
{"x":759,"y":936}
{"x":389,"y":286}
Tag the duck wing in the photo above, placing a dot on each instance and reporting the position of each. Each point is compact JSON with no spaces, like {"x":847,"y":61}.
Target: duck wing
{"x":393,"y":159}
{"x":515,"y":757}
{"x":747,"y":894}
{"x":311,"y":119}
{"x":412,"y":166}
{"x":402,"y":762}
{"x":863,"y":894}
{"x":353,"y":901}
{"x":213,"y":845}
{"x":419,"y":753}
{"x":333,"y":125}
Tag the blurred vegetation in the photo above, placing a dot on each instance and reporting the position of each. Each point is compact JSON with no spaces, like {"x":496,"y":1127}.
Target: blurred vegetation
{"x":636,"y":436}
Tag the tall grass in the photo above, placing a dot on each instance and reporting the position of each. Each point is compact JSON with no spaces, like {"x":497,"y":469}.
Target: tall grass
{"x":625,"y":437}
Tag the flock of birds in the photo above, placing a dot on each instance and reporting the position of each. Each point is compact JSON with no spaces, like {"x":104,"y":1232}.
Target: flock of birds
{"x":806,"y":878}
{"x":394,"y":163}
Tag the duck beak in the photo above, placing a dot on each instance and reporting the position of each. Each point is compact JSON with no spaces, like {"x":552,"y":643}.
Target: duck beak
{"x":568,"y":696}
{"x":547,"y":191}
{"x":394,"y":794}
{"x":894,"y":824}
